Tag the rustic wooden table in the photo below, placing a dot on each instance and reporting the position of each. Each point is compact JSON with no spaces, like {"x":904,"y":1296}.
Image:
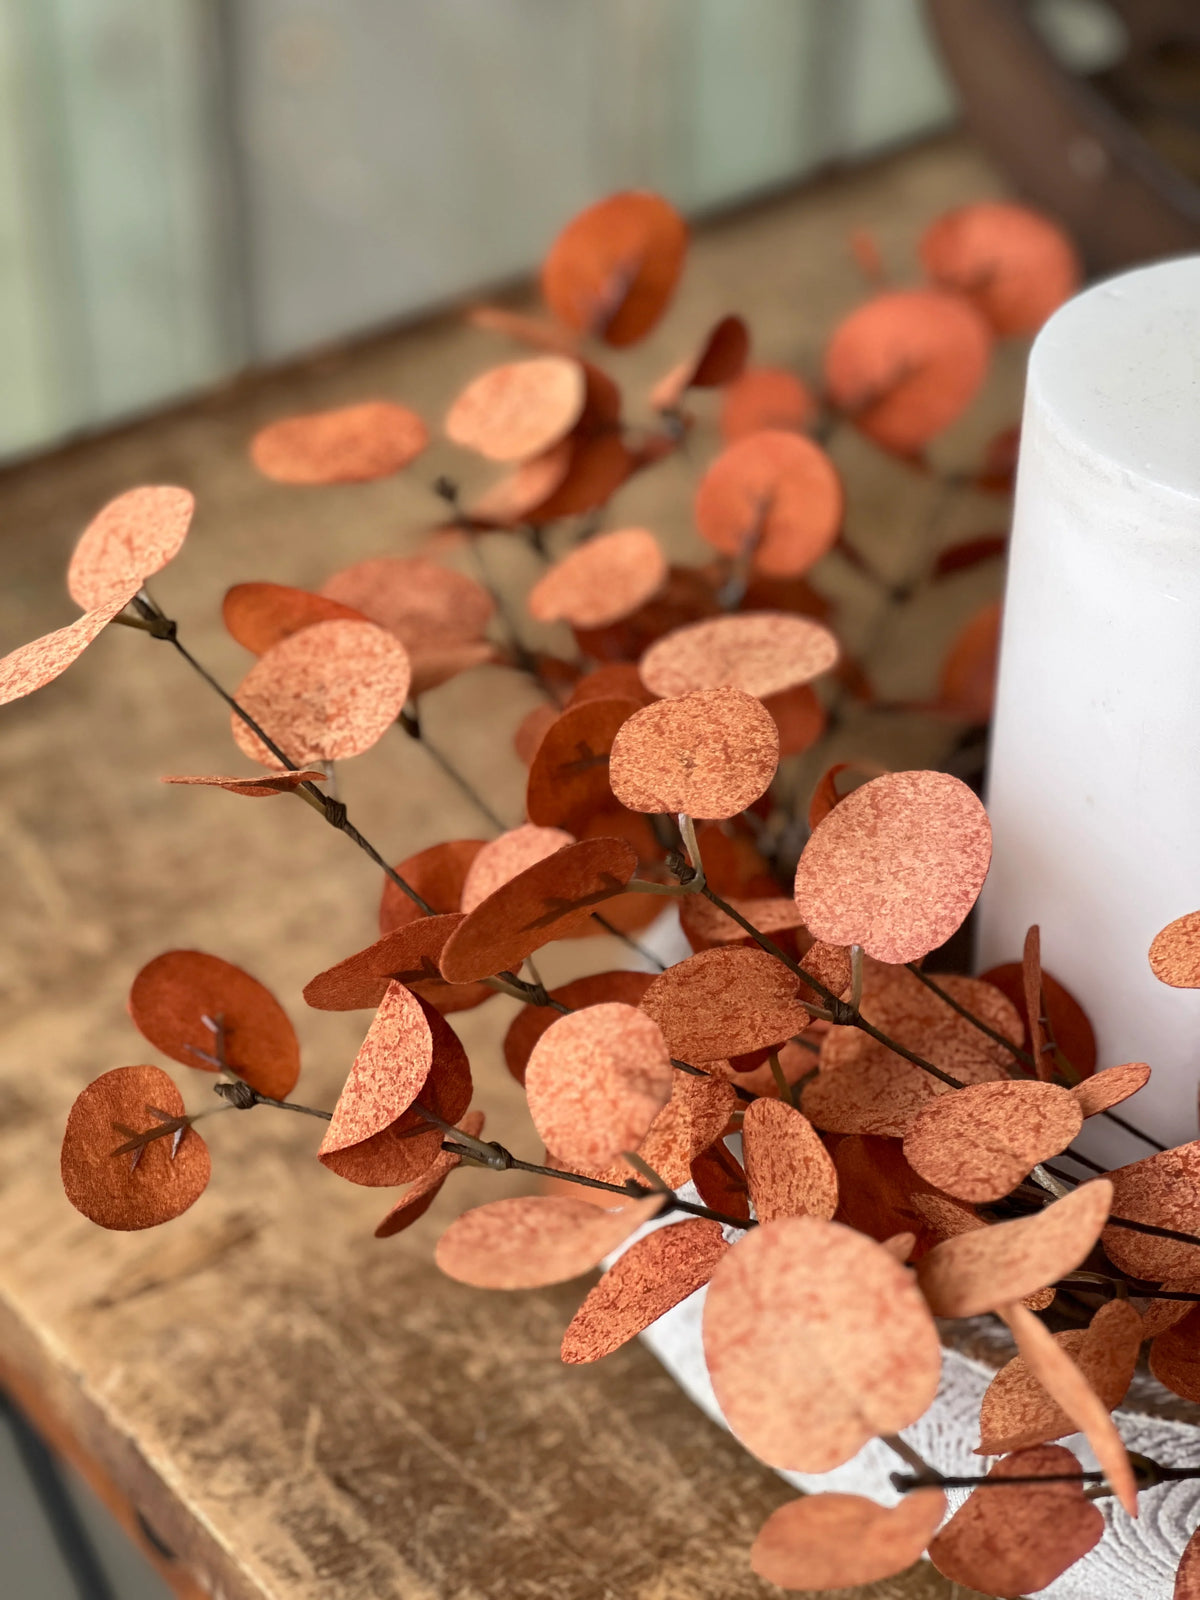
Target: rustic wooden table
{"x":290,"y":1408}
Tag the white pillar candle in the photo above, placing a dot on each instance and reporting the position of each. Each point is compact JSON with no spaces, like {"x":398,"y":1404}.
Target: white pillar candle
{"x":1094,"y":785}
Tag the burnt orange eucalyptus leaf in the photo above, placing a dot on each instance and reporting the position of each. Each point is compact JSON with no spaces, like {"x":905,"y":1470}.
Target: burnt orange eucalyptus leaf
{"x":408,"y":955}
{"x":710,"y":754}
{"x":600,"y":463}
{"x":731,"y":1000}
{"x":1164,"y":1189}
{"x":705,"y":925}
{"x":877,"y":1189}
{"x":420,"y":1195}
{"x":568,"y":776}
{"x":1066,"y":1384}
{"x":1187,"y":1578}
{"x":553,"y":899}
{"x":1175,"y":1356}
{"x":732,"y":865}
{"x":721,"y":1182}
{"x":1110,"y":1087}
{"x":686,"y":596}
{"x":259,"y":615}
{"x":967,"y":554}
{"x":1017,"y":1410}
{"x":519,"y":496}
{"x":601,"y":581}
{"x":519,"y":410}
{"x":1159,"y":1314}
{"x":985,"y":1269}
{"x":719,"y":361}
{"x":530,"y":1241}
{"x":616,"y":680}
{"x":697,"y":1113}
{"x":531,"y":730}
{"x":134,"y":535}
{"x":352,"y":444}
{"x":1013,"y":263}
{"x":788,"y":1169}
{"x":654,"y":1274}
{"x":504,"y":858}
{"x":792,"y":1337}
{"x":388,"y":1072}
{"x":173,"y":995}
{"x":900,"y":1246}
{"x":260,"y":788}
{"x":855,"y":883}
{"x":1175,"y":953}
{"x":324,"y":694}
{"x":967,"y":684}
{"x":831,"y":1541}
{"x":1063,"y":1015}
{"x":800,"y":718}
{"x":766,"y":397}
{"x":531,"y":1022}
{"x":31,"y":666}
{"x":1031,"y":993}
{"x":613,"y":269}
{"x":978,"y":1143}
{"x":761,"y":653}
{"x":828,"y":794}
{"x":907,"y":364}
{"x":949,"y":1218}
{"x":140,"y":1188}
{"x":795,"y":1062}
{"x":437,"y":874}
{"x":773,"y":499}
{"x":1012,"y":1541}
{"x":596,"y":1080}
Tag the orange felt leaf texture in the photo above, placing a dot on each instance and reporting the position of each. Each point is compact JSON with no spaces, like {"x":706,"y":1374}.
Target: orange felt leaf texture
{"x":1175,"y":953}
{"x":530,"y":1241}
{"x":705,"y":925}
{"x":503,"y":858}
{"x":613,"y":269}
{"x":792,"y":1339}
{"x":420,"y":1195}
{"x":134,"y":535}
{"x":979,"y":1142}
{"x":388,"y":1073}
{"x":828,"y":794}
{"x":774,"y":499}
{"x":697,"y":1113}
{"x":967,"y":683}
{"x":1175,"y":1356}
{"x":1015,"y":265}
{"x":437,"y":874}
{"x":766,"y":398}
{"x":519,"y":410}
{"x":568,"y":776}
{"x":761,"y":653}
{"x":831,"y":1541}
{"x":531,"y":1022}
{"x":719,"y":360}
{"x":176,"y":997}
{"x":789,"y":1170}
{"x":259,"y":788}
{"x":601,"y":581}
{"x":143,"y":1187}
{"x":259,"y":615}
{"x":721,"y":1182}
{"x":352,"y":444}
{"x":710,"y":754}
{"x":1110,"y":1087}
{"x":654,"y":1274}
{"x":896,"y":866}
{"x":1016,"y":1540}
{"x":1062,"y":1015}
{"x":1164,"y":1190}
{"x":31,"y":666}
{"x":408,"y":955}
{"x":596,"y":1080}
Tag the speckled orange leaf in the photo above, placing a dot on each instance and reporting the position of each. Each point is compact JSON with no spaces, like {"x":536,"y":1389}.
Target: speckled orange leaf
{"x":719,"y":360}
{"x":519,"y":410}
{"x":596,"y":1080}
{"x":978,"y":1143}
{"x":1175,"y":953}
{"x":502,"y":859}
{"x":795,"y":1062}
{"x":710,"y":754}
{"x":967,"y":682}
{"x":789,"y":1170}
{"x":352,"y":444}
{"x":417,"y":1199}
{"x":1014,"y":1540}
{"x":705,"y":925}
{"x":31,"y":666}
{"x":907,"y":364}
{"x":531,"y":1022}
{"x":721,"y":1181}
{"x":1159,"y":1314}
{"x":388,"y":1073}
{"x":437,"y":874}
{"x":697,"y":1113}
{"x":601,"y":581}
{"x":613,"y":269}
{"x":1163,"y":1190}
{"x":686,"y":596}
{"x":653,"y":1275}
{"x":792,"y":1341}
{"x":766,"y":397}
{"x":530,"y":1241}
{"x":1063,"y":1014}
{"x":324,"y":694}
{"x":762,"y":653}
{"x":830,"y":1541}
{"x":615,"y":680}
{"x":518,"y":496}
{"x":1110,"y":1087}
{"x":568,"y":777}
{"x":1017,"y":1411}
{"x":134,"y":535}
{"x":173,"y":994}
{"x":896,"y":866}
{"x":550,"y":900}
{"x":800,"y":718}
{"x":1187,"y":1578}
{"x":987,"y":1268}
{"x":599,"y":464}
{"x":829,"y":793}
{"x":532,"y":729}
{"x":774,"y":497}
{"x":1013,"y":263}
{"x":1175,"y":1356}
{"x":408,"y":955}
{"x":253,"y":788}
{"x":141,"y":1188}
{"x":259,"y":615}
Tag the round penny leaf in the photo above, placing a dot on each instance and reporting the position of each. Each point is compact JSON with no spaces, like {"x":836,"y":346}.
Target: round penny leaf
{"x":504,"y":858}
{"x":828,"y":793}
{"x":388,"y":1073}
{"x":794,"y":1339}
{"x":173,"y":995}
{"x":353,"y":444}
{"x":907,"y":364}
{"x":599,"y":464}
{"x":417,"y":1199}
{"x":259,"y":615}
{"x":1015,"y":265}
{"x":1175,"y":1357}
{"x":1175,"y":953}
{"x":531,"y":1022}
{"x":324,"y":694}
{"x":705,"y":925}
{"x":31,"y":666}
{"x":986,"y":1268}
{"x":697,"y":1113}
{"x":1110,"y":1087}
{"x":408,"y":955}
{"x":774,"y":497}
{"x":1066,"y":1018}
{"x":613,"y":269}
{"x":530,"y":1241}
{"x":1187,"y":1578}
{"x":896,"y":866}
{"x":789,"y":1170}
{"x":519,"y":410}
{"x":1163,"y":1190}
{"x":595,"y":1082}
{"x":550,"y":900}
{"x":531,"y":730}
{"x":134,"y":535}
{"x":967,"y":685}
{"x":760,"y":653}
{"x":254,"y":788}
{"x":766,"y":398}
{"x":719,"y":360}
{"x":142,"y":1187}
{"x":709,"y":754}
{"x":436,"y":874}
{"x":601,"y":581}
{"x":978,"y":1143}
{"x":568,"y":777}
{"x":519,"y":496}
{"x":800,"y":718}
{"x":831,"y":1541}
